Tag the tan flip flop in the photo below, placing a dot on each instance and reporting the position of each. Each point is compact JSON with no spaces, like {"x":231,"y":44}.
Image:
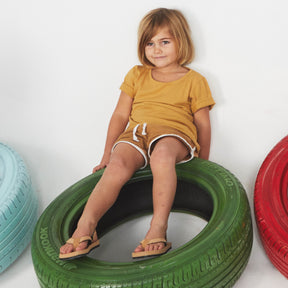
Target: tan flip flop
{"x":159,"y":252}
{"x":91,"y":244}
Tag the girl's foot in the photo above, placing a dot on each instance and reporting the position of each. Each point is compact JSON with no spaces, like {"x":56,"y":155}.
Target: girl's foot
{"x":154,"y":232}
{"x":78,"y":234}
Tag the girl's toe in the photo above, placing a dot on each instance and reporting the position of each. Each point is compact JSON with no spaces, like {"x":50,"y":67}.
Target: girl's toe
{"x":65,"y":249}
{"x":139,"y":248}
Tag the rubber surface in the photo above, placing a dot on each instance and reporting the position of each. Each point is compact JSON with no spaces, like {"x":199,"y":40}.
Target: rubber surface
{"x":18,"y":207}
{"x":216,"y":257}
{"x":271,"y":205}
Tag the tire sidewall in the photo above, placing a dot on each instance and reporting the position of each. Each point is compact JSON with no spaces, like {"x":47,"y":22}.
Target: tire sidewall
{"x":230,"y":219}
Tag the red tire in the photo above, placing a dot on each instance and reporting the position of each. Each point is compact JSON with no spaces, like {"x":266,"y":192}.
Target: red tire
{"x":271,"y":205}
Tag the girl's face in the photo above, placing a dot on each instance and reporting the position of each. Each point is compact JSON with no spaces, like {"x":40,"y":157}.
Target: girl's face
{"x":161,"y":50}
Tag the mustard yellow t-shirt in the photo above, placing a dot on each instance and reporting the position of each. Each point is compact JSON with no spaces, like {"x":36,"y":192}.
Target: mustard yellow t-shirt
{"x":172,"y":104}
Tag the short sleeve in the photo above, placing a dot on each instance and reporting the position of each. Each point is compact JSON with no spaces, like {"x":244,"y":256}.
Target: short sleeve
{"x":128,"y":86}
{"x":201,"y":96}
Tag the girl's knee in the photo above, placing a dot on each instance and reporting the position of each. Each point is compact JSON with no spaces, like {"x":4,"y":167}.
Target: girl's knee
{"x":117,"y":171}
{"x":168,"y":151}
{"x":117,"y":164}
{"x":162,"y":157}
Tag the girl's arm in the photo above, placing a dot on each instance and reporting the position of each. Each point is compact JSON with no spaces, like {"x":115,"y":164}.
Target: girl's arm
{"x":117,"y":125}
{"x":202,"y":122}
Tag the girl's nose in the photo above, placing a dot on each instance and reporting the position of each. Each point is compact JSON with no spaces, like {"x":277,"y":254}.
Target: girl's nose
{"x":157,"y":49}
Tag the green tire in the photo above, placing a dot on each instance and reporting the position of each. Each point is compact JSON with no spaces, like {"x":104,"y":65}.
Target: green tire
{"x":216,"y":257}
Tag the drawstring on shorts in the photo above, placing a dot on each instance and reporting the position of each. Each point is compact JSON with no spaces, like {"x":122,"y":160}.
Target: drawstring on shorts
{"x":135,"y":131}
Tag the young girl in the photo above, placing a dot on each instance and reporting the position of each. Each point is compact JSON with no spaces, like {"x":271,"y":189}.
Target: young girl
{"x":161,"y":119}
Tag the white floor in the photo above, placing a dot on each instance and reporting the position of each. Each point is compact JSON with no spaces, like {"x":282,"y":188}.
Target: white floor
{"x":259,"y":272}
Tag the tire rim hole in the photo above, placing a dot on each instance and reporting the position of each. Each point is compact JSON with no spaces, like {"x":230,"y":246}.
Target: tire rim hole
{"x":127,"y":222}
{"x":118,"y":244}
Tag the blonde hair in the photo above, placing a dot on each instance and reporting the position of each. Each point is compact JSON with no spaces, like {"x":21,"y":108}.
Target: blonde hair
{"x":178,"y":28}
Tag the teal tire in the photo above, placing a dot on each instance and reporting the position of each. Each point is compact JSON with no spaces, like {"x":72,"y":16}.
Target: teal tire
{"x":18,"y":207}
{"x":216,"y":257}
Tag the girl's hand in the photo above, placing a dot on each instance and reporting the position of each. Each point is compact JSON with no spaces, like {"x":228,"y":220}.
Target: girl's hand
{"x":99,"y":167}
{"x":117,"y":125}
{"x":104,"y":162}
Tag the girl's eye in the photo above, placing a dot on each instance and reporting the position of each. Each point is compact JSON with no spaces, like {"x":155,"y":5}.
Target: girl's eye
{"x":149,"y":44}
{"x":165,"y":42}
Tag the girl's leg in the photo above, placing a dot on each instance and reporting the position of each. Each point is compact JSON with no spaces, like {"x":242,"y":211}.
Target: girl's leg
{"x":125,"y":160}
{"x":166,"y":153}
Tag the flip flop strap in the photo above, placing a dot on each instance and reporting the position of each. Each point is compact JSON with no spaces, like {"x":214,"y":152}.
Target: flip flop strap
{"x":76,"y":241}
{"x":146,"y":242}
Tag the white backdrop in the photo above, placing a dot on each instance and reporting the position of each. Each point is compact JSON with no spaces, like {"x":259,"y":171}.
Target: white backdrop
{"x":61,"y":65}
